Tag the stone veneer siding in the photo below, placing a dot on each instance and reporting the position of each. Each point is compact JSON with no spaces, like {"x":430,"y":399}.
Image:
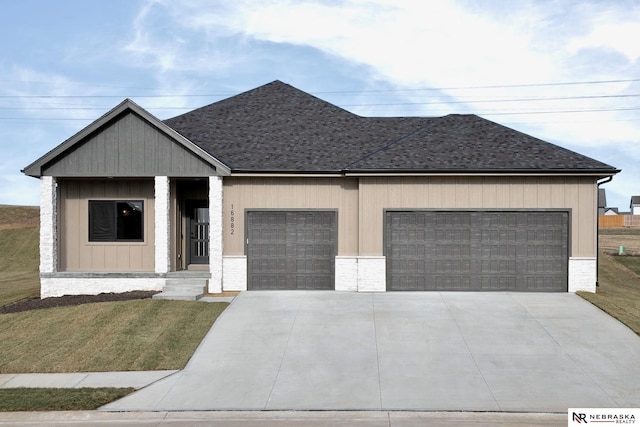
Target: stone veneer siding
{"x":162,"y":225}
{"x":48,"y":225}
{"x":582,"y":274}
{"x":215,"y":234}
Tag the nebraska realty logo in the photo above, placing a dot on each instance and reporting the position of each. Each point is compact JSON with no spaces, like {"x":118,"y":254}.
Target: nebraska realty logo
{"x":603,"y":416}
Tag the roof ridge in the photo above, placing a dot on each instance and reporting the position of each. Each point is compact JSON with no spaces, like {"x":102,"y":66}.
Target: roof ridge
{"x":395,"y":142}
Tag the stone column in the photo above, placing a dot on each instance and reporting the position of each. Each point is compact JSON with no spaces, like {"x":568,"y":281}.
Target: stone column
{"x":48,"y":225}
{"x":215,"y":234}
{"x":162,"y":225}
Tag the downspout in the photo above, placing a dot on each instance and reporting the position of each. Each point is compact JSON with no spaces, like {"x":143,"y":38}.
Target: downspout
{"x":599,"y":183}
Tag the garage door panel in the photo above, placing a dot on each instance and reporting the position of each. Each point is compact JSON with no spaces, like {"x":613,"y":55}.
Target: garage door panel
{"x":476,"y":250}
{"x":291,"y":249}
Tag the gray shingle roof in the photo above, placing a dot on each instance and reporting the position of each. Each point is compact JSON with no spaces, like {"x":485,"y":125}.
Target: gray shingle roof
{"x":278,"y":128}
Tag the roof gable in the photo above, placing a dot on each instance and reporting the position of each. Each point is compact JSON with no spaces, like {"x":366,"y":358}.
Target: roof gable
{"x":127,"y":141}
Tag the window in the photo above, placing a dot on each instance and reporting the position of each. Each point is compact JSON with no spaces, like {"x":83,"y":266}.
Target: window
{"x":116,"y":220}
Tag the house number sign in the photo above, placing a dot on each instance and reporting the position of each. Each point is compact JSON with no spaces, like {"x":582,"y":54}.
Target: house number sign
{"x":233,"y":220}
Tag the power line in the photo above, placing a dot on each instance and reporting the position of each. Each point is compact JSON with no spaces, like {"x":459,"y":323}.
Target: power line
{"x":589,"y":82}
{"x":557,"y":98}
{"x":478,"y":113}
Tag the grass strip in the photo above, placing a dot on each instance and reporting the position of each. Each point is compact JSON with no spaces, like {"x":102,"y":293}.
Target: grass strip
{"x":135,"y":335}
{"x":58,"y":399}
{"x":619,"y":290}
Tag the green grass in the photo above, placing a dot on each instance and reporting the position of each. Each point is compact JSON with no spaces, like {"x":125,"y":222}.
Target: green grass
{"x":619,"y":290}
{"x":19,"y":249}
{"x":18,"y":286}
{"x":109,"y":336}
{"x":58,"y":399}
{"x":630,"y":262}
{"x":19,"y":254}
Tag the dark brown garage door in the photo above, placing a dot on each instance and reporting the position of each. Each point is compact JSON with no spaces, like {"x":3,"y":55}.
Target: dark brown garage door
{"x":477,"y":250}
{"x":291,"y":249}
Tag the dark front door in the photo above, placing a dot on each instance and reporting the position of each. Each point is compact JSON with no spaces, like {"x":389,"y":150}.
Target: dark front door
{"x":198,"y":211}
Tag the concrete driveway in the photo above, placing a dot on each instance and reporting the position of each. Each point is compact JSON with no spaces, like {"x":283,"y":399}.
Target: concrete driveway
{"x":438,"y":351}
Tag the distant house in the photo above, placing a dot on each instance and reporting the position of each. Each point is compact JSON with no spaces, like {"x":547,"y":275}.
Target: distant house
{"x":610,"y":211}
{"x":602,"y":201}
{"x":634,"y":206}
{"x":276,"y":189}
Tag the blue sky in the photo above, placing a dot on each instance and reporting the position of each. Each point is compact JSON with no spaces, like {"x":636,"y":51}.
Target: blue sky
{"x":567,"y":72}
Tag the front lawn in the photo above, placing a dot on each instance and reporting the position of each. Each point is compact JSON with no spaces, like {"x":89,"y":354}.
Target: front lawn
{"x":107,"y":336}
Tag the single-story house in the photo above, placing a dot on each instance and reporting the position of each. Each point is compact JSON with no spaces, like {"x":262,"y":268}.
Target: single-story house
{"x":277,"y":189}
{"x":611,"y":212}
{"x":634,"y":205}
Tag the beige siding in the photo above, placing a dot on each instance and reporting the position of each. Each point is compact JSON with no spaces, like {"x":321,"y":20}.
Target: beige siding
{"x":577,"y":194}
{"x":241,"y":194}
{"x":77,"y":253}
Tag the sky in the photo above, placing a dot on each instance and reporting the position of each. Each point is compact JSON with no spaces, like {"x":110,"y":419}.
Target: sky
{"x":567,"y":72}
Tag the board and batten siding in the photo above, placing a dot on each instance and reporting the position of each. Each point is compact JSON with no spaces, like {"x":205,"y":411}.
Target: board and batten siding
{"x":242,"y":193}
{"x":76,"y":253}
{"x":129,"y":147}
{"x":579,"y":194}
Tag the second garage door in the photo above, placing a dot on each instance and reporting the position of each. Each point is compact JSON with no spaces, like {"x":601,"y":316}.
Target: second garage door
{"x":291,"y":249}
{"x":477,"y":250}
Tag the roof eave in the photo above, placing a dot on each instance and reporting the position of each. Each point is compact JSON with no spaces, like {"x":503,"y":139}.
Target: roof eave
{"x":483,"y":172}
{"x":433,"y":172}
{"x":288,"y":172}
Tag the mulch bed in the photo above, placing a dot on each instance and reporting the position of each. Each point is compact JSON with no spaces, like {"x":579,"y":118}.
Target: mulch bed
{"x":67,"y":300}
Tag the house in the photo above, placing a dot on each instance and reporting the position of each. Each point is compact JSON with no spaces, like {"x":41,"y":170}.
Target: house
{"x":276,"y":189}
{"x":602,"y":201}
{"x":634,"y":206}
{"x":611,"y":212}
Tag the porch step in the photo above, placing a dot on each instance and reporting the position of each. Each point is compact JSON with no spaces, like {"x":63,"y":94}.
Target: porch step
{"x":185,"y":289}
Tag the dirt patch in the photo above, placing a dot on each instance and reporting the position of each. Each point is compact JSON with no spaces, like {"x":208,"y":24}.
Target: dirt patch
{"x":67,"y":300}
{"x":610,"y":242}
{"x":19,"y":217}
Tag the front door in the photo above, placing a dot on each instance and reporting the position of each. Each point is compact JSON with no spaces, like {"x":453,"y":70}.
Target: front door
{"x":198,"y":211}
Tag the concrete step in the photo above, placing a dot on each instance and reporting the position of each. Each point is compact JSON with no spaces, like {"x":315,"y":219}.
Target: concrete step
{"x":183,"y":289}
{"x":178,"y":296}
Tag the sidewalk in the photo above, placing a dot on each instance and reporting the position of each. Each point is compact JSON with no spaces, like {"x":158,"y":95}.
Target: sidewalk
{"x":135,"y":379}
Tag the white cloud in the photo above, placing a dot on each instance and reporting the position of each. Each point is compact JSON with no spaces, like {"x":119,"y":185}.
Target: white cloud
{"x":182,"y":46}
{"x":436,"y":44}
{"x":610,"y":28}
